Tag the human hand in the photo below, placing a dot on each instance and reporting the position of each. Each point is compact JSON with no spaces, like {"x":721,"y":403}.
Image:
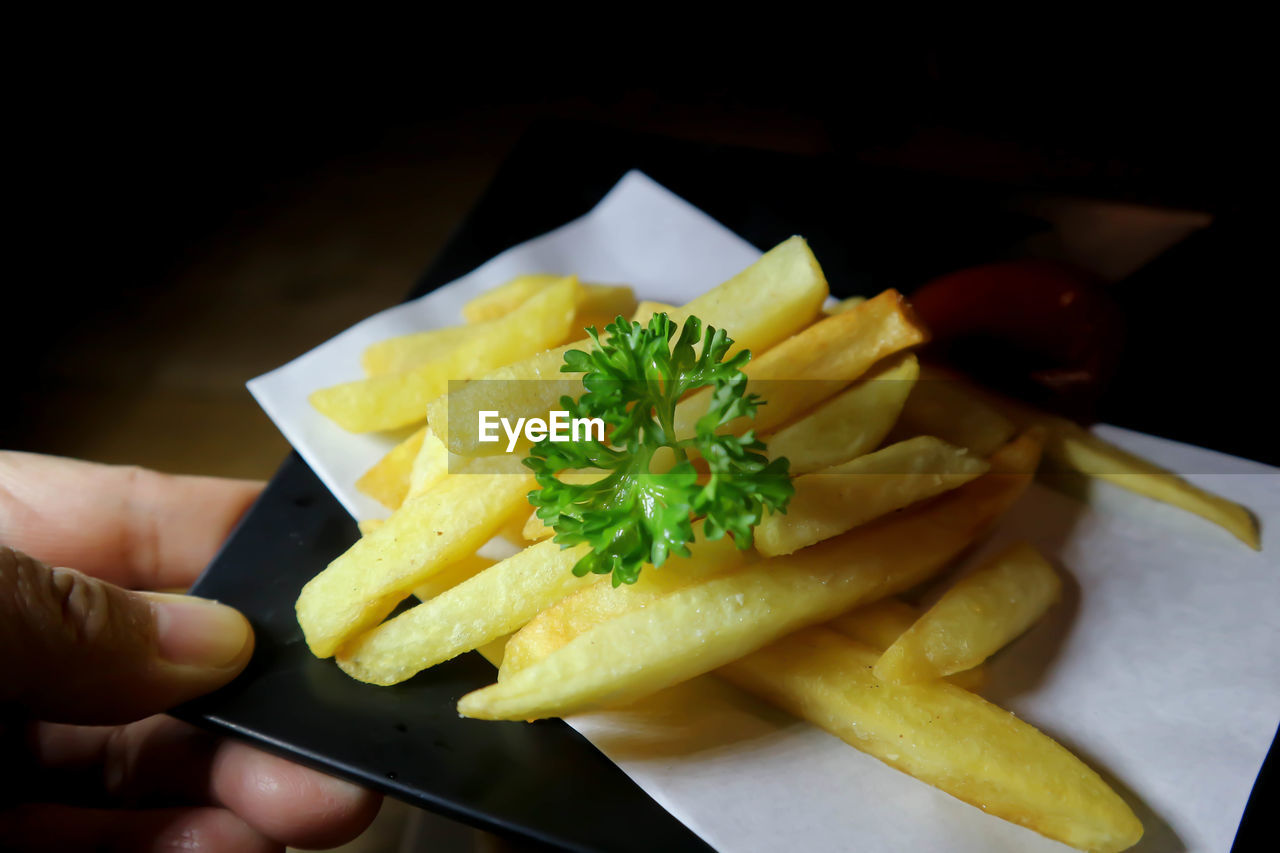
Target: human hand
{"x":87,"y":761}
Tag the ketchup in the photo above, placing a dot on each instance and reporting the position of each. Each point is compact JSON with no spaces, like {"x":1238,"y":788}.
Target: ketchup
{"x":1042,"y":331}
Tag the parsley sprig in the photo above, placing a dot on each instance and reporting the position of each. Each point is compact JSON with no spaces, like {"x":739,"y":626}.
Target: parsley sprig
{"x":634,"y":380}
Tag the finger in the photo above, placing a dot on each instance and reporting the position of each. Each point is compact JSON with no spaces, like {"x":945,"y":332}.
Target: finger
{"x":136,"y":528}
{"x":162,"y":760}
{"x":91,"y":652}
{"x":43,"y":826}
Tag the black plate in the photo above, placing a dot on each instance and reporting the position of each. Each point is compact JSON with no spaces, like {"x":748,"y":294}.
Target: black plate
{"x":544,"y":782}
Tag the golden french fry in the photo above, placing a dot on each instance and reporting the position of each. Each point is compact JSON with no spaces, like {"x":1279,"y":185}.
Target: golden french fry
{"x":769,"y":300}
{"x":713,"y":621}
{"x":807,"y":368}
{"x":1074,"y":447}
{"x":850,"y":424}
{"x":600,"y":602}
{"x":505,"y":298}
{"x":451,"y":575}
{"x":400,"y":399}
{"x":369,"y":525}
{"x":594,"y":300}
{"x":836,"y":499}
{"x":404,"y":352}
{"x":974,"y":618}
{"x":430,"y":465}
{"x":477,"y":611}
{"x":941,"y":408}
{"x":427,"y":533}
{"x":878,"y":625}
{"x":493,"y":652}
{"x":764,"y":304}
{"x":844,"y":305}
{"x":387,"y":482}
{"x":942,"y":735}
{"x":534,"y":529}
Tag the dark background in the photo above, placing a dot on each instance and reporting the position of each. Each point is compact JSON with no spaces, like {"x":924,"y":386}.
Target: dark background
{"x":193,"y":215}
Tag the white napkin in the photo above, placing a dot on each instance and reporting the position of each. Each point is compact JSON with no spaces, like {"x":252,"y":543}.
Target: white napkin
{"x":1160,"y":667}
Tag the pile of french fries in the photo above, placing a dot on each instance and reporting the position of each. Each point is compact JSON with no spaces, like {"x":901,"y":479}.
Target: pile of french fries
{"x":894,"y":477}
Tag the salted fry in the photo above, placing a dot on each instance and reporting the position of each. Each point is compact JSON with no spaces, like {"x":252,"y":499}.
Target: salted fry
{"x":394,"y":400}
{"x":833,"y":500}
{"x":880,"y":624}
{"x":387,"y":482}
{"x":429,"y":532}
{"x":807,"y":368}
{"x":850,"y":424}
{"x":490,"y":604}
{"x":942,"y":735}
{"x":975,"y":618}
{"x":700,"y":627}
{"x":941,"y":408}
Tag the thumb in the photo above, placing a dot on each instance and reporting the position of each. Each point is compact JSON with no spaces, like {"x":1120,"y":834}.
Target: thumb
{"x":80,"y":650}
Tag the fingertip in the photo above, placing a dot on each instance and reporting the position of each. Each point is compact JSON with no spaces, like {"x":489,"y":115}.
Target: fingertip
{"x":291,"y":804}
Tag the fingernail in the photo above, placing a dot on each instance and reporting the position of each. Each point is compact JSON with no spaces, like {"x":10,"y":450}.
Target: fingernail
{"x":197,"y":632}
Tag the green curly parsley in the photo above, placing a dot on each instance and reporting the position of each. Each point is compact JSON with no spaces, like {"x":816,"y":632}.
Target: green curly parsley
{"x":631,"y":516}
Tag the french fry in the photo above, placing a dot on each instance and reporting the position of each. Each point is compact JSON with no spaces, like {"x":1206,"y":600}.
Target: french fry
{"x":942,"y":735}
{"x":600,"y":602}
{"x":430,"y":465}
{"x":405,"y":352}
{"x":595,"y":301}
{"x":427,"y":533}
{"x":709,"y":623}
{"x":1077,"y":449}
{"x":451,"y":575}
{"x":941,"y":408}
{"x":850,"y":424}
{"x":400,"y":399}
{"x":833,"y":500}
{"x":765,"y":303}
{"x":807,"y":368}
{"x":477,"y":611}
{"x":505,"y":298}
{"x":768,"y":301}
{"x":369,"y":525}
{"x":387,"y":482}
{"x":880,"y":624}
{"x":974,"y":618}
{"x":535,"y":529}
{"x":493,"y":652}
{"x":844,"y":305}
